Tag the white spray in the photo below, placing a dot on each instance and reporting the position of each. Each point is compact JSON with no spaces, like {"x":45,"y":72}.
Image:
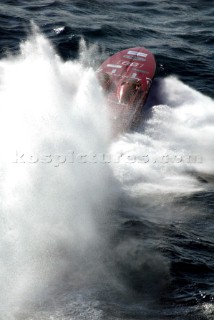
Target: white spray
{"x":52,"y":115}
{"x":174,"y":150}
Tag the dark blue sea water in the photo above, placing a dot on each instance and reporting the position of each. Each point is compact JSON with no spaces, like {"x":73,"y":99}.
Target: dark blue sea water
{"x":121,"y":239}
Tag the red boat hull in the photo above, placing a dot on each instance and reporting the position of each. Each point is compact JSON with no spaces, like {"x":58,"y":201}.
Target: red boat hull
{"x":126,"y":78}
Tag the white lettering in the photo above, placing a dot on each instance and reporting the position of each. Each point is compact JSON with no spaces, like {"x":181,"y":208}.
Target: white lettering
{"x":140,"y":54}
{"x":114,"y":66}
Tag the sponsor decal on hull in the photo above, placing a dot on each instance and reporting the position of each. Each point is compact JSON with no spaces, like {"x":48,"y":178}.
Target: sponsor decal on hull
{"x":142,"y":71}
{"x":114,"y":66}
{"x":139,"y":54}
{"x":131,"y":64}
{"x":134,"y":58}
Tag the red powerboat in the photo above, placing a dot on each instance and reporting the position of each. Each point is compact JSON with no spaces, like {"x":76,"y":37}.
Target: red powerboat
{"x":126,"y":78}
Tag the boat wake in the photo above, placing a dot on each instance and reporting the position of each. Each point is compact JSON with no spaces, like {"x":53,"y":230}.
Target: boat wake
{"x":172,"y":152}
